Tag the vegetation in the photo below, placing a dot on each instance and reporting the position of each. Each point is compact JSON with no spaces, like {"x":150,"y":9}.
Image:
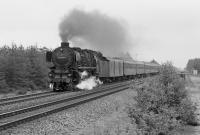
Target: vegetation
{"x":22,"y":69}
{"x":162,"y":104}
{"x":193,"y":64}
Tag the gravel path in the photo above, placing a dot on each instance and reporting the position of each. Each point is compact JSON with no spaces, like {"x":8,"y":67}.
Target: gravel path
{"x":80,"y":119}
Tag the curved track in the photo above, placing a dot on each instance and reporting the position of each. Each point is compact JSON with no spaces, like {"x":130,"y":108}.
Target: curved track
{"x":12,"y":118}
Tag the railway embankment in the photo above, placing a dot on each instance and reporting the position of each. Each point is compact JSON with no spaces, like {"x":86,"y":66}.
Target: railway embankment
{"x":99,"y":116}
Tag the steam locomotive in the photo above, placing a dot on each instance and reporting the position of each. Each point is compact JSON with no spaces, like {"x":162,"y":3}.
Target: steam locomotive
{"x":68,"y":63}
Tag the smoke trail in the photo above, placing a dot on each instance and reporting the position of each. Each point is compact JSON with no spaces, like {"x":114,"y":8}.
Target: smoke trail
{"x":102,"y":32}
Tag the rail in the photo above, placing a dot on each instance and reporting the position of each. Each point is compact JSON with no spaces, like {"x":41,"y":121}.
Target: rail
{"x":12,"y":118}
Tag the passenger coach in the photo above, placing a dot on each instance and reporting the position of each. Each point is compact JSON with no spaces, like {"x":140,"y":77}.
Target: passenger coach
{"x":115,"y":69}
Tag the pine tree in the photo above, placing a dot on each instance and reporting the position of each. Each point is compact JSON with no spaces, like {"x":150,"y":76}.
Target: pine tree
{"x":3,"y":85}
{"x":37,"y":67}
{"x":15,"y":73}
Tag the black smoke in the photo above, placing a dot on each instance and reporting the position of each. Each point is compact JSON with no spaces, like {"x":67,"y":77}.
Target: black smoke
{"x":102,"y":32}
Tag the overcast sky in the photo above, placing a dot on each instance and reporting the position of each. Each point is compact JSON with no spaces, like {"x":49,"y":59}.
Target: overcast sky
{"x":160,"y":29}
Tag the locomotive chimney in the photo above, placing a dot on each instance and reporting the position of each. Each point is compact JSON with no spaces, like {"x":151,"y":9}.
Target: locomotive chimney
{"x":64,"y":44}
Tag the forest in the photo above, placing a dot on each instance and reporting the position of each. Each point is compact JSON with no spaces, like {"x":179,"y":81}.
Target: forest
{"x":22,"y":69}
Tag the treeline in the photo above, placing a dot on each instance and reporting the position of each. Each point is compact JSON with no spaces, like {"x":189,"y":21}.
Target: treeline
{"x":22,"y":69}
{"x":193,"y":64}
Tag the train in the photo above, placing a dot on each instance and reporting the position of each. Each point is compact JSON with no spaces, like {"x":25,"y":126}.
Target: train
{"x":67,"y":64}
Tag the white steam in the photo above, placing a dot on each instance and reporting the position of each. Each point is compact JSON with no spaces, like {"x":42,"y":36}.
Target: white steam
{"x":88,"y":83}
{"x":84,"y":74}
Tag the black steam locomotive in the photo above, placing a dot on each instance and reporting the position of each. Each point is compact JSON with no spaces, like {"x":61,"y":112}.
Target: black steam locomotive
{"x":68,"y":64}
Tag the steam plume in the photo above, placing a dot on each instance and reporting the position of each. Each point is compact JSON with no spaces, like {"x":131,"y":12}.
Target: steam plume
{"x":88,"y":83}
{"x":102,"y":32}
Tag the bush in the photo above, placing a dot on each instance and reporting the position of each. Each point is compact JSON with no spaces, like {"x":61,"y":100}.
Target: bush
{"x":162,"y":104}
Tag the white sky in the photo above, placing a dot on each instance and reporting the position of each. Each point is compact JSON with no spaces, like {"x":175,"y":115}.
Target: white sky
{"x":161,"y":29}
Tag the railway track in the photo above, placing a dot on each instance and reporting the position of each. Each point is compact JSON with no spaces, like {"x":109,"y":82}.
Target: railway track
{"x":17,"y":99}
{"x":13,"y":118}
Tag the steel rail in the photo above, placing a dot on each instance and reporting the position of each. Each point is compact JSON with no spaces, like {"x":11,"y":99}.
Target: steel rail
{"x":20,"y":116}
{"x":48,"y":103}
{"x":22,"y":96}
{"x":17,"y":99}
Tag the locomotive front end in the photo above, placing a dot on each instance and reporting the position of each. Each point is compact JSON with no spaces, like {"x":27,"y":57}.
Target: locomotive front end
{"x":61,"y":74}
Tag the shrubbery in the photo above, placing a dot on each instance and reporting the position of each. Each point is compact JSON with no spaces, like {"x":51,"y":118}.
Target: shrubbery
{"x":162,"y":104}
{"x":22,"y":69}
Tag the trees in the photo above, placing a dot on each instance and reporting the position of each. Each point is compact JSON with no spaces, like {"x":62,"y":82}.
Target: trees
{"x":22,"y":68}
{"x":36,"y":67}
{"x":193,"y":64}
